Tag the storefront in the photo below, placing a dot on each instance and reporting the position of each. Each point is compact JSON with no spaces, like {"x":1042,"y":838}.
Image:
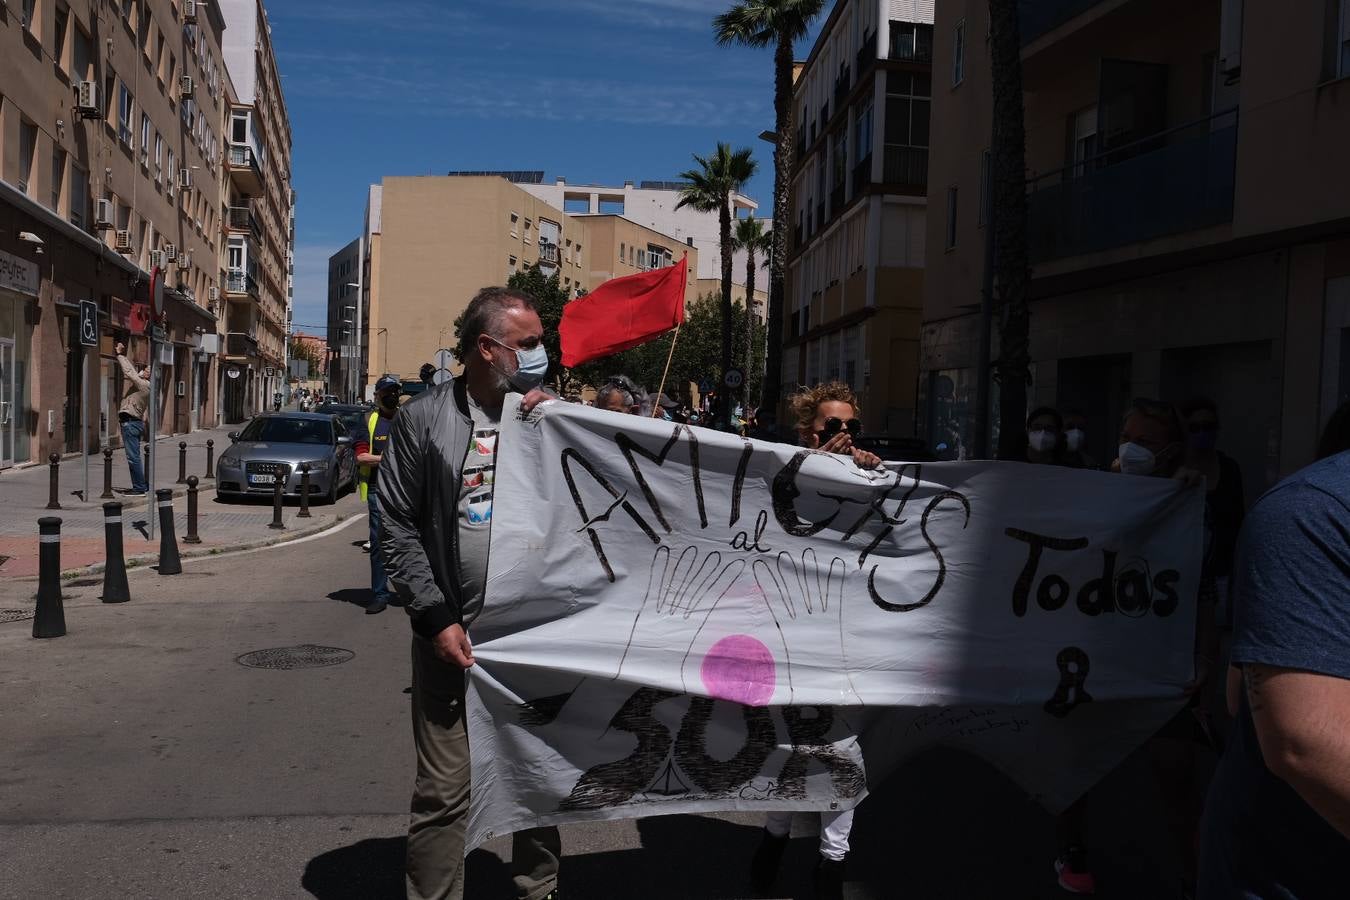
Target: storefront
{"x":19,"y":281}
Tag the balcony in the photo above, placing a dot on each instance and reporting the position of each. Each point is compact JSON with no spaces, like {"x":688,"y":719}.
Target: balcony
{"x":1183,"y":181}
{"x":911,"y":43}
{"x":241,"y":218}
{"x":1037,"y":18}
{"x":238,"y":343}
{"x":237,"y":282}
{"x":842,"y":84}
{"x":867,"y":53}
{"x":548,"y":253}
{"x":862,"y":175}
{"x":244,"y":169}
{"x":905,"y":166}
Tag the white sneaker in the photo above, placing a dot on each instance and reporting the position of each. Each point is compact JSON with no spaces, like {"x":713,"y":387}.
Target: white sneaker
{"x":366,"y":546}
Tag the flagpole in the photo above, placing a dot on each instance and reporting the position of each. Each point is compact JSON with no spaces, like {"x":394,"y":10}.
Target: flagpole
{"x":656,"y":406}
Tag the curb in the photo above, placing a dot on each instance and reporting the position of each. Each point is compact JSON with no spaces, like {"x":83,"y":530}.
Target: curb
{"x":145,"y":560}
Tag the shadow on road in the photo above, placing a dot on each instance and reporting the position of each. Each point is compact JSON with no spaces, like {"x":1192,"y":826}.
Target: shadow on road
{"x":355,"y":596}
{"x":373,"y":870}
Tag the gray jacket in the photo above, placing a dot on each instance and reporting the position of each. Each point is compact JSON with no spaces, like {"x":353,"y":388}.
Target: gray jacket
{"x":419,"y":505}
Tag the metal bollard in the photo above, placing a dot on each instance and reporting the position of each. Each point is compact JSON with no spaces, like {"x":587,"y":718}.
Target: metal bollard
{"x":210,"y":459}
{"x":182,"y":463}
{"x":169,"y":563}
{"x":115,"y":588}
{"x":146,"y":460}
{"x":55,"y":461}
{"x":191,"y":536}
{"x":304,"y":492}
{"x":49,"y":620}
{"x":107,"y":474}
{"x":278,"y":485}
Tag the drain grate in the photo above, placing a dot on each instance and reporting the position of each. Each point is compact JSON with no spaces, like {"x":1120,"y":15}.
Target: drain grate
{"x":15,"y":615}
{"x":304,"y":656}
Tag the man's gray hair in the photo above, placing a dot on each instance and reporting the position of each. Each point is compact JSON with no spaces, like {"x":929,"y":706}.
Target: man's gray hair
{"x":484,"y":316}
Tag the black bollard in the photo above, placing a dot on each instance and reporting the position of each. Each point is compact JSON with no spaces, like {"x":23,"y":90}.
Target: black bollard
{"x":278,"y":485}
{"x":146,"y":461}
{"x":182,"y":463}
{"x":169,"y":563}
{"x":191,"y":536}
{"x":304,"y":492}
{"x":107,"y":474}
{"x":55,"y":462}
{"x":115,"y":588}
{"x":49,"y":620}
{"x":210,"y":459}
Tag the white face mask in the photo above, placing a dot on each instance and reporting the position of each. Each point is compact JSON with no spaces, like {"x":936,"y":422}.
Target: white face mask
{"x":1042,"y":441}
{"x":1073,"y":439}
{"x":1136,"y":460}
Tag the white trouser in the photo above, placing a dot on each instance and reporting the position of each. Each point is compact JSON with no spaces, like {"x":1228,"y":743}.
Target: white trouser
{"x":834,"y":830}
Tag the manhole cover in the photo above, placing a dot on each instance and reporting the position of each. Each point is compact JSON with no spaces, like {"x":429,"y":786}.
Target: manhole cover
{"x":305,"y":656}
{"x":15,"y":615}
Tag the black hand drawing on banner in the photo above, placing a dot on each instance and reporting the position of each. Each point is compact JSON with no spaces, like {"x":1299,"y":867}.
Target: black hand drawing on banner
{"x":1073,"y":666}
{"x":878,"y":508}
{"x":620,"y":501}
{"x":803,"y":596}
{"x":682,"y":593}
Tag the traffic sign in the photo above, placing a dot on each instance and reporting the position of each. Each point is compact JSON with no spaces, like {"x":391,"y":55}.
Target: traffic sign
{"x":705,"y":386}
{"x":88,"y":323}
{"x":445,"y":360}
{"x":733,"y":378}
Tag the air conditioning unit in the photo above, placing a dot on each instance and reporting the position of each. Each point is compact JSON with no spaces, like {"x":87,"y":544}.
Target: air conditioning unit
{"x":86,"y":100}
{"x":185,"y":86}
{"x":103,"y":213}
{"x":122,"y":241}
{"x":185,"y":178}
{"x":213,"y":293}
{"x":170,"y":252}
{"x":156,"y":259}
{"x":189,"y":11}
{"x":185,"y":261}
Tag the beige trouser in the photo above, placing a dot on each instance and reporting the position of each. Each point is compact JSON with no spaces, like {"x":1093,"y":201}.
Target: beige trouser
{"x":440,"y":801}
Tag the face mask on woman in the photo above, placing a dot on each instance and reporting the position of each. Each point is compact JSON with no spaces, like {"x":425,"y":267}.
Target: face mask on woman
{"x":1073,"y":439}
{"x":1136,"y":459}
{"x":1042,"y":440}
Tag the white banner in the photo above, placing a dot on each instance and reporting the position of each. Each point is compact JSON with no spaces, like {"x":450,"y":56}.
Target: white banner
{"x":679,"y":620}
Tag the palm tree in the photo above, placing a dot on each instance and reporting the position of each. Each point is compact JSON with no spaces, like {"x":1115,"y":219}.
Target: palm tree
{"x":754,"y":240}
{"x":1008,"y":171}
{"x":708,"y":188}
{"x":780,"y":24}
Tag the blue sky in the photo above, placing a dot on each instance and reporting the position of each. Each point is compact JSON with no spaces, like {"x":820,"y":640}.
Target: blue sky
{"x":593,"y":90}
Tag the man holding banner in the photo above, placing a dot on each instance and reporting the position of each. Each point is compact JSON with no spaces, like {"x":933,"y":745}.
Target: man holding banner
{"x":436,"y":497}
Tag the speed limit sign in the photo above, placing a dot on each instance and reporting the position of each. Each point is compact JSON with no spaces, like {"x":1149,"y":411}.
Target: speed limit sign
{"x":733,"y":379}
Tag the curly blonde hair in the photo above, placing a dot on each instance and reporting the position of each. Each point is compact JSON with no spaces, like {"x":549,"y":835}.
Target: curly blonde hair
{"x":805,"y":402}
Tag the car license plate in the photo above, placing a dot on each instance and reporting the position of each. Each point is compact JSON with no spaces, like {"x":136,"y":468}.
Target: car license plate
{"x":261,"y":479}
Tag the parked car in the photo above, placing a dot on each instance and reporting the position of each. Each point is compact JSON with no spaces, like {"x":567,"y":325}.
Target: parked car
{"x":352,"y":415}
{"x":281,"y":442}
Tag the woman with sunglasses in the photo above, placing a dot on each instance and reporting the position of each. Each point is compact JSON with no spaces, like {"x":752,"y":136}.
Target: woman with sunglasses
{"x":827,"y":420}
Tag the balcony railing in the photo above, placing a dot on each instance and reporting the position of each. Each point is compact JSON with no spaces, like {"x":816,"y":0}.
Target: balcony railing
{"x":911,"y":43}
{"x":548,"y":253}
{"x":1183,"y":182}
{"x":237,"y":282}
{"x":238,"y":343}
{"x":905,"y":165}
{"x":241,"y":218}
{"x":862,"y":174}
{"x":242,"y":157}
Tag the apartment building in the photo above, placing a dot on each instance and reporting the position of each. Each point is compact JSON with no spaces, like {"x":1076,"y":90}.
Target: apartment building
{"x":855,"y":268}
{"x":259,"y":216}
{"x":1189,"y":210}
{"x":111,"y":143}
{"x":430,"y":243}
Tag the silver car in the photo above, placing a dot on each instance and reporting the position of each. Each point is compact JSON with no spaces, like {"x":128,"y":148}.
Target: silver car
{"x":280,"y":442}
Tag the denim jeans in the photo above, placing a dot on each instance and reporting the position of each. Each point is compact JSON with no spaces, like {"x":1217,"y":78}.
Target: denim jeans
{"x":133,"y":432}
{"x":379,"y":582}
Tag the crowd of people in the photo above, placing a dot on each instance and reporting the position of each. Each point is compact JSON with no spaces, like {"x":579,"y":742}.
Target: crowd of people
{"x":1273,"y":577}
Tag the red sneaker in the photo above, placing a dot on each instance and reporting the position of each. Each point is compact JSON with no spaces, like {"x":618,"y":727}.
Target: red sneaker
{"x":1074,"y":877}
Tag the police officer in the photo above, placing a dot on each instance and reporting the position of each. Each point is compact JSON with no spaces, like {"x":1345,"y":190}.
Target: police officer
{"x":370,"y":445}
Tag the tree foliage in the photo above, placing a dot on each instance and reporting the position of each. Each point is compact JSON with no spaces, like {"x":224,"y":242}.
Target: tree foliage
{"x":307,"y":351}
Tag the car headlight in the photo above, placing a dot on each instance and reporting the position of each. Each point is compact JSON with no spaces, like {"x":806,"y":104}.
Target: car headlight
{"x":318,"y":465}
{"x":228,"y":460}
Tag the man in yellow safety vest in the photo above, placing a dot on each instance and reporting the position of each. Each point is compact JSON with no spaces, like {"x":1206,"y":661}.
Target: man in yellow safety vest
{"x":370,"y":445}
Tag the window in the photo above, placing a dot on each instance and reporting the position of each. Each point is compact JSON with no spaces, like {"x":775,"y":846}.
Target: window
{"x":79,"y":195}
{"x":905,"y":160}
{"x":623,"y":248}
{"x":1343,"y":41}
{"x":58,"y":177}
{"x":62,"y":26}
{"x":951,"y":217}
{"x":578,"y":255}
{"x":145,"y":141}
{"x":911,"y":40}
{"x":29,"y":14}
{"x":27,"y":147}
{"x":172,"y":175}
{"x":159,"y":157}
{"x":124,"y":112}
{"x":1083,"y":140}
{"x":839,"y":158}
{"x":239,"y":128}
{"x":82,"y":55}
{"x":959,"y":53}
{"x":862,"y":140}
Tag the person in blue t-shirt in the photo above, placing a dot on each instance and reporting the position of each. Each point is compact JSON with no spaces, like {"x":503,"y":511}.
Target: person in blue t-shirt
{"x":1277,"y":822}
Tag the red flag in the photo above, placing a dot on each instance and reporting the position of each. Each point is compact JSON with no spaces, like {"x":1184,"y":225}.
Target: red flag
{"x":622,"y":313}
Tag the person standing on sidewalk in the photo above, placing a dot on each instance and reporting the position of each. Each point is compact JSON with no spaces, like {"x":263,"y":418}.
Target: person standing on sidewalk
{"x":370,"y":447}
{"x":436,"y":490}
{"x":131,"y":415}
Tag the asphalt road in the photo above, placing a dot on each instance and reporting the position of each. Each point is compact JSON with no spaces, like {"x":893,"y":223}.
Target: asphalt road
{"x":138,"y":758}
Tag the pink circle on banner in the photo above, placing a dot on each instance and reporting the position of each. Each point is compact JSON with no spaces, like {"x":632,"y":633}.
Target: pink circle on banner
{"x":739,"y":668}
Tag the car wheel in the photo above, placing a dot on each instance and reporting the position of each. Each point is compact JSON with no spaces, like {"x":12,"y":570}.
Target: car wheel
{"x":332,"y":491}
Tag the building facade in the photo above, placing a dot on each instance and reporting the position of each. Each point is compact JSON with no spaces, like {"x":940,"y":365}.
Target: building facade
{"x":1165,"y":262}
{"x":855,"y":268}
{"x":112,"y":119}
{"x":259,"y":217}
{"x":430,"y":243}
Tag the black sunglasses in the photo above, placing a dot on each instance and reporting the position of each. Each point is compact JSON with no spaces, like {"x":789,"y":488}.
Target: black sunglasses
{"x":834,"y":425}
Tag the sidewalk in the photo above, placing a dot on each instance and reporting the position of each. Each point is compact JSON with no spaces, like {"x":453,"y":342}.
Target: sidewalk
{"x":222,"y":526}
